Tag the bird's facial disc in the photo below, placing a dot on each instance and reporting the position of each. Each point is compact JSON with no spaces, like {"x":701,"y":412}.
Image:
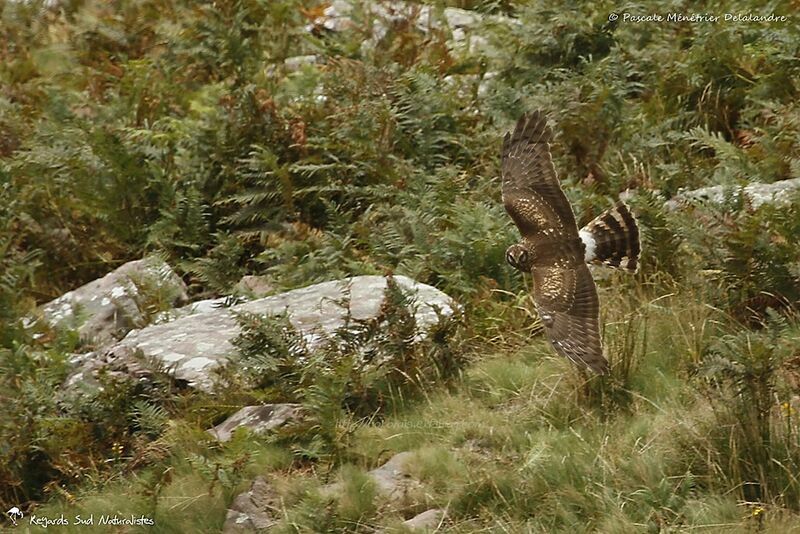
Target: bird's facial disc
{"x":519,"y":258}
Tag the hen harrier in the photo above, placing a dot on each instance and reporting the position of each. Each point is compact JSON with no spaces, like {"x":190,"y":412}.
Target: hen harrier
{"x":552,"y":248}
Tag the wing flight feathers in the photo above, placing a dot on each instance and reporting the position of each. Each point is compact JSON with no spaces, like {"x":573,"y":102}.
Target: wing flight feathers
{"x":564,"y":291}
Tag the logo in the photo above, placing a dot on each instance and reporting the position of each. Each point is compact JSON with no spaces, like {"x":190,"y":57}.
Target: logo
{"x":15,"y":513}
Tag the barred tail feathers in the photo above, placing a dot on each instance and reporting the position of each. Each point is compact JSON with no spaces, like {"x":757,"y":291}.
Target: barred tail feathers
{"x":612,"y":239}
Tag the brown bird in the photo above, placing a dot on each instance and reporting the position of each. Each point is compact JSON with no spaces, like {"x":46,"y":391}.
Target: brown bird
{"x":552,"y":248}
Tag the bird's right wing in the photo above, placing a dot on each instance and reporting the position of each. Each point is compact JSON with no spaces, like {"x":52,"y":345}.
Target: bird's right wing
{"x":532,"y":194}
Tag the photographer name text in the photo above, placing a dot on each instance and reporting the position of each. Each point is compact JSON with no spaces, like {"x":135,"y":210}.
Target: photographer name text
{"x":699,"y":17}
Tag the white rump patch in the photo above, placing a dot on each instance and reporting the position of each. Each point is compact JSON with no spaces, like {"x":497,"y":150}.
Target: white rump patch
{"x":591,"y":244}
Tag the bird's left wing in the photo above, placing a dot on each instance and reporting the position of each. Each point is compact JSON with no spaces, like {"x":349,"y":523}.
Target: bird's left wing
{"x":566,"y":298}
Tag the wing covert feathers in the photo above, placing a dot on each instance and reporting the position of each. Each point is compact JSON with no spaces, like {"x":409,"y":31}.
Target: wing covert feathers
{"x":570,"y":312}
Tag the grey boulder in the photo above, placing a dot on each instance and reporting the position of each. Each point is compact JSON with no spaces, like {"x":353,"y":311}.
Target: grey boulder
{"x":193,"y":345}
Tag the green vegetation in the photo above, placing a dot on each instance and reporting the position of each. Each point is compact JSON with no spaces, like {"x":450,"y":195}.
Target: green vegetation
{"x":177,"y":127}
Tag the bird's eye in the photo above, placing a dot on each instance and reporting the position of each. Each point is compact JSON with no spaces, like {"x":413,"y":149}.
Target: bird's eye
{"x":511,"y":258}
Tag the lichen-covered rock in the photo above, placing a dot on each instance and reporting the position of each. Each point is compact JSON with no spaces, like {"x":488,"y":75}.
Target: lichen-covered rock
{"x":106,"y":309}
{"x":192,"y":345}
{"x":463,"y":26}
{"x":198,"y":306}
{"x":778,"y":193}
{"x":258,"y":419}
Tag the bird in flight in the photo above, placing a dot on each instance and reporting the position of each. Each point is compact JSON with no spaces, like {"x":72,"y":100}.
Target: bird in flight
{"x":554,"y":251}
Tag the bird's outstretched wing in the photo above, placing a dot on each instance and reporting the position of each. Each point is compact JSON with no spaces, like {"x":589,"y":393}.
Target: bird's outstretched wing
{"x":566,"y":298}
{"x":563,"y":288}
{"x":531,"y":192}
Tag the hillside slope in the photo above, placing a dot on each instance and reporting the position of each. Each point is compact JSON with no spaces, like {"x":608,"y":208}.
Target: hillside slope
{"x":307,"y":142}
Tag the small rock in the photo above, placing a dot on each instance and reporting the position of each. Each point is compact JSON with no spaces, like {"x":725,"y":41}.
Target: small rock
{"x":334,"y":18}
{"x":461,"y":18}
{"x":253,"y":510}
{"x":392,"y":479}
{"x":293,"y":64}
{"x":430,"y":519}
{"x":485,"y":85}
{"x":465,"y":83}
{"x":258,"y":419}
{"x":259,"y":507}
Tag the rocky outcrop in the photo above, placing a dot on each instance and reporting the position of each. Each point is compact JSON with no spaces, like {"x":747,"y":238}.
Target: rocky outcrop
{"x":106,"y":309}
{"x":779,"y":193}
{"x":258,"y":419}
{"x":380,"y":17}
{"x":199,"y":339}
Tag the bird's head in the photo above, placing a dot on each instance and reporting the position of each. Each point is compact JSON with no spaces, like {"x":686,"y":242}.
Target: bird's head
{"x":520,"y":257}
